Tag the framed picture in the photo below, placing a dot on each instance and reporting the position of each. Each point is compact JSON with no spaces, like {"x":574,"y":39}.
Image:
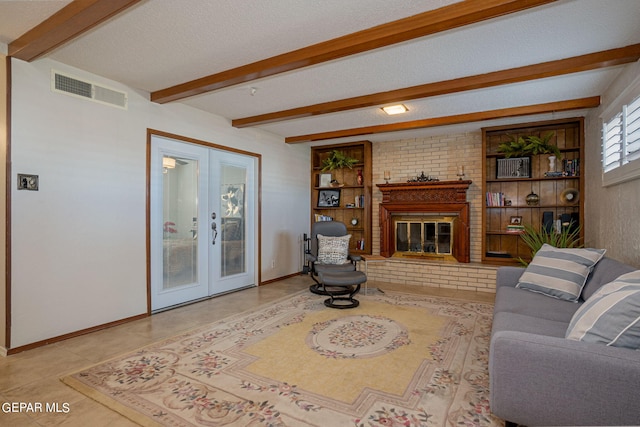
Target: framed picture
{"x":517,"y":167}
{"x":325,"y":180}
{"x":515,"y":220}
{"x":329,"y":198}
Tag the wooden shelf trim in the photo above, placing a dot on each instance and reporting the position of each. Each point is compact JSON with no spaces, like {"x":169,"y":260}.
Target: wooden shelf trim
{"x":546,"y":178}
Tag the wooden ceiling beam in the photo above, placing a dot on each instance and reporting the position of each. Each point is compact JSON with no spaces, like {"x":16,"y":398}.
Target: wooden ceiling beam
{"x":574,"y":64}
{"x":574,"y":104}
{"x":431,"y":22}
{"x":66,"y":24}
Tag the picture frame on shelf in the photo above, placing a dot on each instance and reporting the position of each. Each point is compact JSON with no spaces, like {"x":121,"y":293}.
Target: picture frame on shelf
{"x":516,"y":167}
{"x":515,"y":220}
{"x":329,"y":198}
{"x":324,"y":180}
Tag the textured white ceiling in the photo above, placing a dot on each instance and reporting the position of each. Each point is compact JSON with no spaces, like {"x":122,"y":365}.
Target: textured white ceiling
{"x":160,"y":43}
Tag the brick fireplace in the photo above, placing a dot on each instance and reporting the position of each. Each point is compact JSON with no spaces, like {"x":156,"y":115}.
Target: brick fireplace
{"x":425,"y":219}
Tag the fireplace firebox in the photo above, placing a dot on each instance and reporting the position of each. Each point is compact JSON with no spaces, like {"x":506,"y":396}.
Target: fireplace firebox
{"x":425,"y":219}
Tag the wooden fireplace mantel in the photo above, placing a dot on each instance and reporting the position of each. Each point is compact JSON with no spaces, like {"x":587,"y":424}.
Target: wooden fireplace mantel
{"x":425,"y":192}
{"x":426,"y":197}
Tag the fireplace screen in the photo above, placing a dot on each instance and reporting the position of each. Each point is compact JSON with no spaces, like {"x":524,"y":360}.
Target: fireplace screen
{"x":424,"y":237}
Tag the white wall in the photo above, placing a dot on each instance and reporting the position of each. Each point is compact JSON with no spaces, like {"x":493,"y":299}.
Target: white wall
{"x":611,"y":213}
{"x":78,"y":252}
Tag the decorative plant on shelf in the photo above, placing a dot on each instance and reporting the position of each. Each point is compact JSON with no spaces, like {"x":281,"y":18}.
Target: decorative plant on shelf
{"x":567,"y":237}
{"x":529,"y":145}
{"x":337,"y":160}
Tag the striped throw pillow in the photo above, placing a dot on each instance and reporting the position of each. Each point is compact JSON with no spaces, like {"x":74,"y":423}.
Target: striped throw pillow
{"x":333,"y":250}
{"x":611,"y":316}
{"x":559,"y":272}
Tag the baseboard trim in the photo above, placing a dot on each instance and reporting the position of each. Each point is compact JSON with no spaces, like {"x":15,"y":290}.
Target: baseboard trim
{"x":72,"y":334}
{"x":277,"y":279}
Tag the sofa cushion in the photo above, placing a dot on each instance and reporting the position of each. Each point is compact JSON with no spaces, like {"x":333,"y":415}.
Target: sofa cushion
{"x":605,"y":271}
{"x":529,"y":324}
{"x":533,"y":304}
{"x":611,"y":316}
{"x":333,"y":250}
{"x":559,"y":272}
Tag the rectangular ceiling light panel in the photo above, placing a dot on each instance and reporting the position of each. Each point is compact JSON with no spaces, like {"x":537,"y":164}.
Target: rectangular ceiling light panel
{"x":83,"y":89}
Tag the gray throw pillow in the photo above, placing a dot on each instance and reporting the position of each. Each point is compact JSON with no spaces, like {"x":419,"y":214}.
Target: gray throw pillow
{"x":610,"y":316}
{"x":560,"y":272}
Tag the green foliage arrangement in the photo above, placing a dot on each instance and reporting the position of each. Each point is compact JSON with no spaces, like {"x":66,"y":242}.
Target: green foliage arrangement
{"x":569,"y":237}
{"x":337,"y":160}
{"x":529,"y":145}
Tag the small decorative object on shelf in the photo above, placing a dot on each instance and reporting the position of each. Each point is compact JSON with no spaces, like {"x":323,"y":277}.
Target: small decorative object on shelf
{"x":570,"y":196}
{"x":359,"y":178}
{"x":529,"y":145}
{"x":329,"y":198}
{"x":387,"y":176}
{"x":552,"y":163}
{"x":423,"y":178}
{"x":519,"y":167}
{"x":460,"y":173}
{"x":532,"y":199}
{"x":337,"y":160}
{"x":325,"y":180}
{"x":515,"y":225}
{"x":354,"y":221}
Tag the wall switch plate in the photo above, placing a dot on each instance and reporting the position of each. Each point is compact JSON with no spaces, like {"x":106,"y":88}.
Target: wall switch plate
{"x":27,"y":182}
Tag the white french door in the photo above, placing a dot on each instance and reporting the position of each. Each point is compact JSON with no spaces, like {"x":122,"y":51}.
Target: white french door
{"x":203,"y":212}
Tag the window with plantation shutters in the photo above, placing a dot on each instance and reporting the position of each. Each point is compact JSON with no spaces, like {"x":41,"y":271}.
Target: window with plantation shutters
{"x":621,"y":144}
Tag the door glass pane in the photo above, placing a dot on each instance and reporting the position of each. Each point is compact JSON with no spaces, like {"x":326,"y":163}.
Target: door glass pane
{"x":180,"y":221}
{"x":233,"y":221}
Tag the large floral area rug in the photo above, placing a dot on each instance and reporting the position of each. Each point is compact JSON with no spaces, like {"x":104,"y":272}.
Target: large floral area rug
{"x":396,"y":360}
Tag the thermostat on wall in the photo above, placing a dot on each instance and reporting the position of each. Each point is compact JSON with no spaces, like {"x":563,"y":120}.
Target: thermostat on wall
{"x":27,"y":182}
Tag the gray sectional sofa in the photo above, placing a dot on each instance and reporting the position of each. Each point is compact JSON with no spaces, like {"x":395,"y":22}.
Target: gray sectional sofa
{"x":540,"y":378}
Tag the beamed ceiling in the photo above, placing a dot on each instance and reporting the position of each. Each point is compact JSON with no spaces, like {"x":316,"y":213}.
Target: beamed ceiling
{"x":319,"y":71}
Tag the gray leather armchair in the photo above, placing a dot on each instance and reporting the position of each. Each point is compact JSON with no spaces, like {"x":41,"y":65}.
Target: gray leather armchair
{"x":334,"y":229}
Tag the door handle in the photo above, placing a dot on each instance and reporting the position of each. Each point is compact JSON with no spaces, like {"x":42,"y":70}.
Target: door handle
{"x":214,"y":228}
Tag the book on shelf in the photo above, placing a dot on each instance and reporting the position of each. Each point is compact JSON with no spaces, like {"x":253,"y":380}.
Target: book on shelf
{"x":515,"y":229}
{"x":320,"y":218}
{"x":360,"y":244}
{"x":571,"y":167}
{"x":359,"y":201}
{"x":495,"y":199}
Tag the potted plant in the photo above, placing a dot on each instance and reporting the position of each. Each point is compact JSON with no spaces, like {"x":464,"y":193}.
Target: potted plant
{"x":337,"y":160}
{"x":529,"y":145}
{"x":567,"y":237}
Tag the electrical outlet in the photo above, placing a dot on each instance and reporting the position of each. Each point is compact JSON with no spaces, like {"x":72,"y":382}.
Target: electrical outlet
{"x":27,"y":182}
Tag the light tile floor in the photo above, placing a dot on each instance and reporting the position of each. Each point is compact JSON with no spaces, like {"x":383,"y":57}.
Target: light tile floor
{"x":34,"y":376}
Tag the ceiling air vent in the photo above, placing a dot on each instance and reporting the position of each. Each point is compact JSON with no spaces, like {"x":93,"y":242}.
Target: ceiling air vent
{"x":83,"y":89}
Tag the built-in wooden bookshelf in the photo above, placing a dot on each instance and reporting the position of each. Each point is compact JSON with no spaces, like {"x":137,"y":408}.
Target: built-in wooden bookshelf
{"x":354,"y":206}
{"x":506,"y":196}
